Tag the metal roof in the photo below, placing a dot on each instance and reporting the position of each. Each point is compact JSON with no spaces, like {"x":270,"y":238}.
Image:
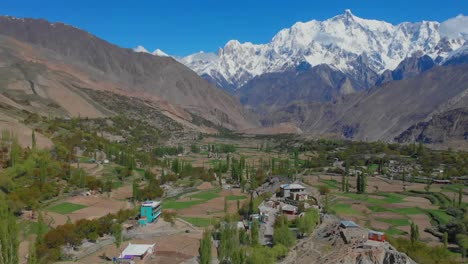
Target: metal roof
{"x":136,"y":249}
{"x":292,"y":186}
{"x":151,"y":204}
{"x":349,"y":224}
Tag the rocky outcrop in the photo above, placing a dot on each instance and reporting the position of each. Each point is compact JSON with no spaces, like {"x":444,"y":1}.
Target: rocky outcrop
{"x":450,"y":125}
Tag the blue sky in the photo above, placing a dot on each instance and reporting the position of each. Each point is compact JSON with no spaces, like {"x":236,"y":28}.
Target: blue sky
{"x":184,"y":27}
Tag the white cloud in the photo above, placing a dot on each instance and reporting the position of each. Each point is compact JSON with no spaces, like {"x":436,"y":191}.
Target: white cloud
{"x":455,"y":27}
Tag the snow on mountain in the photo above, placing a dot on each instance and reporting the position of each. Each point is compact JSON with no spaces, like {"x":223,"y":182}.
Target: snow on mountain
{"x":457,"y":56}
{"x":140,"y":49}
{"x":156,"y":52}
{"x":159,"y":53}
{"x":340,"y":41}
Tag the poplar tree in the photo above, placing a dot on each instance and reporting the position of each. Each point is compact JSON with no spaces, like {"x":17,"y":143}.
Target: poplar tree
{"x":460,"y":197}
{"x":205,"y":248}
{"x":33,"y":136}
{"x":32,"y":256}
{"x":8,"y":235}
{"x":254,"y":232}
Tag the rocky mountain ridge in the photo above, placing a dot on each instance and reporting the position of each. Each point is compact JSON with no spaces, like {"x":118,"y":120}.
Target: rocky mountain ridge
{"x":344,"y":42}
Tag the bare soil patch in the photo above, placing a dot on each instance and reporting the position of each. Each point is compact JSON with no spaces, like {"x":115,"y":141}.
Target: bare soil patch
{"x":387,"y":215}
{"x":361,"y":208}
{"x":412,"y":201}
{"x":379,"y":225}
{"x":205,"y":186}
{"x":423,"y":222}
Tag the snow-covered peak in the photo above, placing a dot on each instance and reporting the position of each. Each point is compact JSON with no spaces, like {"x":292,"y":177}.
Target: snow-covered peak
{"x":156,"y":52}
{"x":340,"y":42}
{"x":457,"y":54}
{"x":160,"y":53}
{"x":140,"y":48}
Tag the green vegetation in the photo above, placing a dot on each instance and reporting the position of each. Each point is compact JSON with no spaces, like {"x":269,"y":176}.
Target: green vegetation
{"x":207,"y":195}
{"x":8,"y":235}
{"x":177,"y":205}
{"x":344,"y":209}
{"x":198,"y":198}
{"x":198,"y":221}
{"x":394,"y":222}
{"x":205,"y":248}
{"x":440,"y":216}
{"x":66,"y":208}
{"x":422,"y":253}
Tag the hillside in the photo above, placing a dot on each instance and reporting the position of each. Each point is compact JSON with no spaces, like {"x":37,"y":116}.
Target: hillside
{"x":383,"y":112}
{"x":104,"y":66}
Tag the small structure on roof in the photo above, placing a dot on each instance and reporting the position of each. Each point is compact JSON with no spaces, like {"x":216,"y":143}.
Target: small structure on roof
{"x":137,"y":251}
{"x":348,"y":224}
{"x":376,"y":236}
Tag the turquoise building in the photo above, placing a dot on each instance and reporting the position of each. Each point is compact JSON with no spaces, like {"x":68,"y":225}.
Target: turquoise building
{"x":149,"y":212}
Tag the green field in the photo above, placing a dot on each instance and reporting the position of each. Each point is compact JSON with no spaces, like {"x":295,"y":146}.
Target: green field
{"x":173,"y":204}
{"x":395,"y":222}
{"x":236,"y":197}
{"x":66,"y":208}
{"x":207,"y":195}
{"x":345,"y":209}
{"x":198,"y":221}
{"x":198,"y":198}
{"x":440,"y":216}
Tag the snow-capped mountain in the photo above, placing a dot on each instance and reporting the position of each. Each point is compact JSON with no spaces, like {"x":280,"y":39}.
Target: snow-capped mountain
{"x":156,"y":52}
{"x":345,"y":42}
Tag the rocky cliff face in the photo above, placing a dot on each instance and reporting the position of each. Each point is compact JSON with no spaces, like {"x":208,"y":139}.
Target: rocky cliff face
{"x":327,"y":246}
{"x":450,"y":125}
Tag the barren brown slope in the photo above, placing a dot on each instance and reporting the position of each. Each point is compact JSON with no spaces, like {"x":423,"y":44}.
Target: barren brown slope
{"x":140,"y":74}
{"x":32,"y":82}
{"x":385,"y":111}
{"x":392,"y":108}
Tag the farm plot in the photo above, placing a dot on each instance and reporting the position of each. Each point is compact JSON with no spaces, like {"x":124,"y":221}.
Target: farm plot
{"x":66,"y":208}
{"x":392,"y":212}
{"x":83,"y":207}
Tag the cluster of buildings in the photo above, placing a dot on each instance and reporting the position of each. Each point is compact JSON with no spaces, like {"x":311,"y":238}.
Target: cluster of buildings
{"x":353,"y":233}
{"x":150,"y":211}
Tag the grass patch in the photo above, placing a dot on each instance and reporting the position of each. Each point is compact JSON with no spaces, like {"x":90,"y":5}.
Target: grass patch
{"x":440,"y":216}
{"x":236,"y":197}
{"x":30,"y":228}
{"x":66,"y":208}
{"x":408,"y":211}
{"x":207,"y":195}
{"x":332,"y":184}
{"x":199,"y":198}
{"x":373,"y":167}
{"x":377,"y":208}
{"x":344,"y":209}
{"x":394,"y":222}
{"x":180,"y":205}
{"x":198,"y":221}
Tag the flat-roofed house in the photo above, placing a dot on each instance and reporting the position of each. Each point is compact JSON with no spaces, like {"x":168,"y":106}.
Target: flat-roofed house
{"x":286,"y":190}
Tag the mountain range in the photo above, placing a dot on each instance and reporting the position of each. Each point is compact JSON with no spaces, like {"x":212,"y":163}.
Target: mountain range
{"x":325,"y":76}
{"x":344,"y":77}
{"x":345,"y":42}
